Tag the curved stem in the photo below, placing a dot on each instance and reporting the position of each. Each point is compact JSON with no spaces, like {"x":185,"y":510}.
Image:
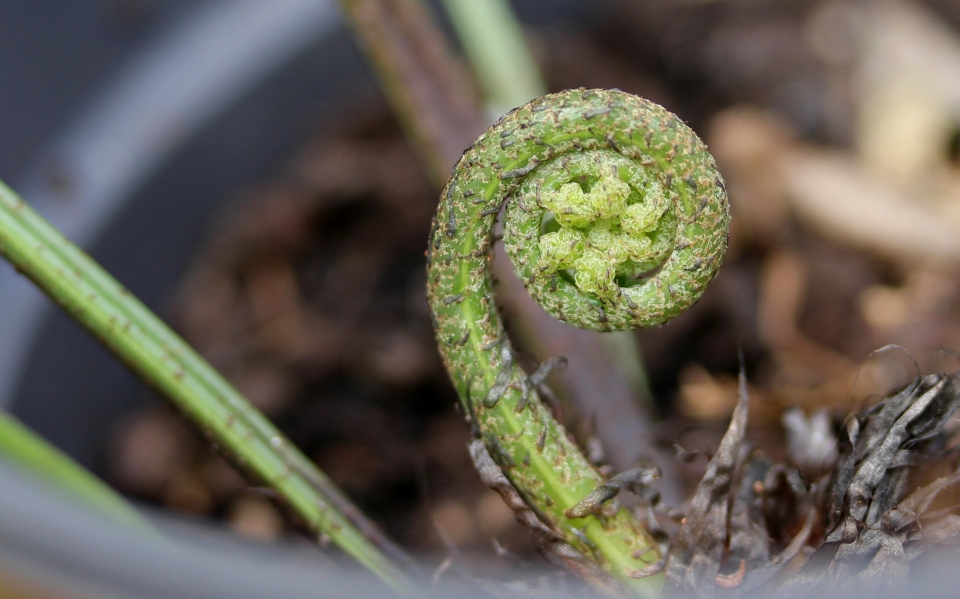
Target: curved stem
{"x":164,"y":361}
{"x":557,"y":151}
{"x":486,"y":30}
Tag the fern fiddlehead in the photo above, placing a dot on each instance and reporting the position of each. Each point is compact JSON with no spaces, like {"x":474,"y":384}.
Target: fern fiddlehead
{"x":615,"y":217}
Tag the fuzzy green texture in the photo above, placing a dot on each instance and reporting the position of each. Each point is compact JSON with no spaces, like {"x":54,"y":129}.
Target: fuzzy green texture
{"x":577,"y":171}
{"x":164,"y":361}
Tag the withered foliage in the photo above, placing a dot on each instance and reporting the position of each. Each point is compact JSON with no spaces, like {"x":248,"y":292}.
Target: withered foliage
{"x":758,"y":527}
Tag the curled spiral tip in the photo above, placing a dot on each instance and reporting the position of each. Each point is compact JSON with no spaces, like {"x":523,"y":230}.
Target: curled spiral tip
{"x":627,"y":206}
{"x":615,"y":217}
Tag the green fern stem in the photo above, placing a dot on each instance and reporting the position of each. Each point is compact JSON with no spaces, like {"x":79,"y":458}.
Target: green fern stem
{"x":615,"y":218}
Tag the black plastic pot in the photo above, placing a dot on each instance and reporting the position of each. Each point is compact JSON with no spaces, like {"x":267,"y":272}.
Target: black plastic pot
{"x":128,"y":130}
{"x":207,"y":102}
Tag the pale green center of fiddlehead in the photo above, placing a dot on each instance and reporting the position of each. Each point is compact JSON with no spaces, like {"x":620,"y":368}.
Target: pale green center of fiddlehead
{"x":609,"y":241}
{"x":606,"y":236}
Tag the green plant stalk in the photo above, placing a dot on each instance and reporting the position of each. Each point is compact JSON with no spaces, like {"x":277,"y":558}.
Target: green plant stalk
{"x":22,"y":447}
{"x":154,"y":352}
{"x":494,"y":43}
{"x":533,"y":157}
{"x":430,"y":93}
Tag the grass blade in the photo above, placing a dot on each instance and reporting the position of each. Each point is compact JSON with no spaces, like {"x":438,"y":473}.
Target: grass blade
{"x":164,"y":361}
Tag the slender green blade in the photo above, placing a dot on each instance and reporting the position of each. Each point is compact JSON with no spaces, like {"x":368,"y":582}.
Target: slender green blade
{"x":164,"y":361}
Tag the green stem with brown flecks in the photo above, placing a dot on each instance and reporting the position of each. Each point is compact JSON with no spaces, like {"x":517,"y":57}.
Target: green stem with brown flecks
{"x":615,"y":217}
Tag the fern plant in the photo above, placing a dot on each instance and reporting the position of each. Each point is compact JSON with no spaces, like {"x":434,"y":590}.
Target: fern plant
{"x":615,"y":217}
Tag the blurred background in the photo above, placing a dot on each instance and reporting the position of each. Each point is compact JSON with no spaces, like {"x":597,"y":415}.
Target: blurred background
{"x":233,"y":164}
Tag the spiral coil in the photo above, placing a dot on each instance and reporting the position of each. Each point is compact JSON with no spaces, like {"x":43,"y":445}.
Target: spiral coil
{"x":615,"y":217}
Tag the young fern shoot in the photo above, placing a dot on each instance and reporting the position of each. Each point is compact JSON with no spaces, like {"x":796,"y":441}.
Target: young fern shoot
{"x":615,"y":217}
